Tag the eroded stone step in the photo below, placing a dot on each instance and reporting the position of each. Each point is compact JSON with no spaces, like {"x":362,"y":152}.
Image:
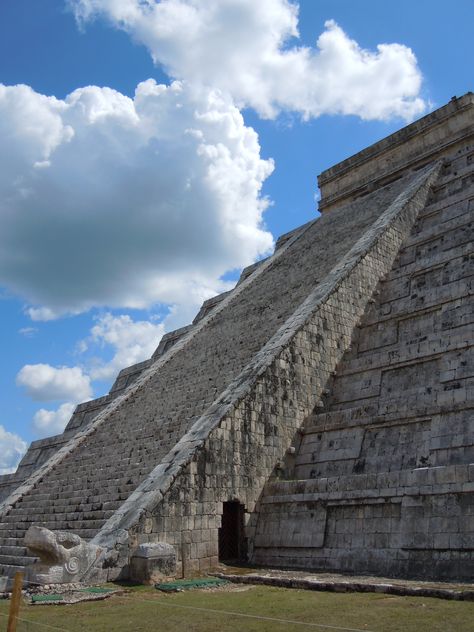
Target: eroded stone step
{"x":20,"y":551}
{"x":15,"y":560}
{"x":410,"y":305}
{"x":9,"y":570}
{"x":424,"y":232}
{"x":11,"y":542}
{"x":71,"y":525}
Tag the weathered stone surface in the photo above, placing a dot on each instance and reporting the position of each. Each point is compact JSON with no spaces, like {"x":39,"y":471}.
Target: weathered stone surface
{"x":441,"y":133}
{"x":329,"y":394}
{"x":41,"y":450}
{"x":388,"y":458}
{"x":152,"y":562}
{"x":63,"y":556}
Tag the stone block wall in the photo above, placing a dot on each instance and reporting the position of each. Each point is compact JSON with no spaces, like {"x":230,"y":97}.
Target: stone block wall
{"x":231,"y":451}
{"x":438,"y":134}
{"x":383,"y":481}
{"x":86,"y":482}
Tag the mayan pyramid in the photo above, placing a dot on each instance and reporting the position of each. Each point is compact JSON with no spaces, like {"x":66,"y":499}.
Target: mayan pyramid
{"x":317,"y":416}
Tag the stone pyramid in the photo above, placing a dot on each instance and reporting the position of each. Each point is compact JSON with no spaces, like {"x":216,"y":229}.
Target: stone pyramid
{"x":317,"y":416}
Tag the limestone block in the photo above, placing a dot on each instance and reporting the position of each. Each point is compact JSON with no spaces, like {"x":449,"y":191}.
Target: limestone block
{"x":152,"y":562}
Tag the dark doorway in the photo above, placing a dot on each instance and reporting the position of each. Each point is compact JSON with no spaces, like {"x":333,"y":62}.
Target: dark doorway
{"x":231,"y":534}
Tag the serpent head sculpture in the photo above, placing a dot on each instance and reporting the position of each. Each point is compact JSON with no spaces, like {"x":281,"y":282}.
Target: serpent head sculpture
{"x":64,"y":557}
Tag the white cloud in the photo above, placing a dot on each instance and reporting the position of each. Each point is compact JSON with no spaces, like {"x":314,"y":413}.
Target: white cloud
{"x":46,"y":383}
{"x":50,"y":422}
{"x":111,"y":201}
{"x":28,"y":332}
{"x":248,"y":50}
{"x":12,"y":448}
{"x":107,"y":200}
{"x":132,"y":341}
{"x":42,"y":313}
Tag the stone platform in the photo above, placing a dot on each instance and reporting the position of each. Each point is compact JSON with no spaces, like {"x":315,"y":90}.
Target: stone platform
{"x":336,"y":582}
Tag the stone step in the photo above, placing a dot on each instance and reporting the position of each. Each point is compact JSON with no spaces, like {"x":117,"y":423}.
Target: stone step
{"x":9,"y":570}
{"x":441,"y":268}
{"x":54,"y":525}
{"x":445,"y":207}
{"x":11,"y":543}
{"x":15,"y":560}
{"x":383,"y":356}
{"x":38,"y":498}
{"x":329,"y":419}
{"x":13,"y":550}
{"x":111,"y":495}
{"x":427,"y":257}
{"x":425,"y":235}
{"x":458,"y":186}
{"x":84,"y":533}
{"x":375,"y":485}
{"x":412,"y":304}
{"x":361,"y":382}
{"x":14,"y":529}
{"x":439,"y":214}
{"x":452,"y":175}
{"x":90,"y":497}
{"x":91,"y":527}
{"x":106,"y":488}
{"x":104,"y":474}
{"x":62,"y":510}
{"x":18,"y":536}
{"x":63,"y":518}
{"x":426,"y":232}
{"x":105,"y":502}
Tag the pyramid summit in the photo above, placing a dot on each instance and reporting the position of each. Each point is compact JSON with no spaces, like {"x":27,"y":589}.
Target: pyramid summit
{"x":317,"y":416}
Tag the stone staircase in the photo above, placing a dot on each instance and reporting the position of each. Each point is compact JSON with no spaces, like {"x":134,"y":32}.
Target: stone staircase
{"x":373,"y":414}
{"x":381,"y":477}
{"x":90,"y":483}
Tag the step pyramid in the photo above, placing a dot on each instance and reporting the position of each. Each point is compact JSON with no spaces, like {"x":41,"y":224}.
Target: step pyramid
{"x":316,"y":416}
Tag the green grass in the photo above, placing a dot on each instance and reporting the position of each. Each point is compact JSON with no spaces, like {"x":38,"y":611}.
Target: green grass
{"x":149,"y":609}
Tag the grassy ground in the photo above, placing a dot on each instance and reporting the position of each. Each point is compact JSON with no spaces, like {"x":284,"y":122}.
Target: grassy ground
{"x":220,"y":610}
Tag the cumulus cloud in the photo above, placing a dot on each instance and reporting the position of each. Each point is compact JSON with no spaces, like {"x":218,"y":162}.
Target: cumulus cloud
{"x":108,"y":200}
{"x":12,"y":448}
{"x":132,"y":342}
{"x":43,"y":383}
{"x":249,"y":50}
{"x":49,"y":422}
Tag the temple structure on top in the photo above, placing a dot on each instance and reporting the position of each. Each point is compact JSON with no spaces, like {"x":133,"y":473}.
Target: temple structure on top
{"x":317,"y":416}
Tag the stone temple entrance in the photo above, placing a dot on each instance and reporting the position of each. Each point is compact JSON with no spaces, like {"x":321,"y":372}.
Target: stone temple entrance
{"x":231,"y":534}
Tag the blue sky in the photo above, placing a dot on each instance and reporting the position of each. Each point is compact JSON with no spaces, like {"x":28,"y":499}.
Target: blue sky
{"x":121,"y":211}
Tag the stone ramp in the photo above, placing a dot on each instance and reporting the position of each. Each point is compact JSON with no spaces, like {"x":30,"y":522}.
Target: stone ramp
{"x":86,"y":486}
{"x":382,"y":479}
